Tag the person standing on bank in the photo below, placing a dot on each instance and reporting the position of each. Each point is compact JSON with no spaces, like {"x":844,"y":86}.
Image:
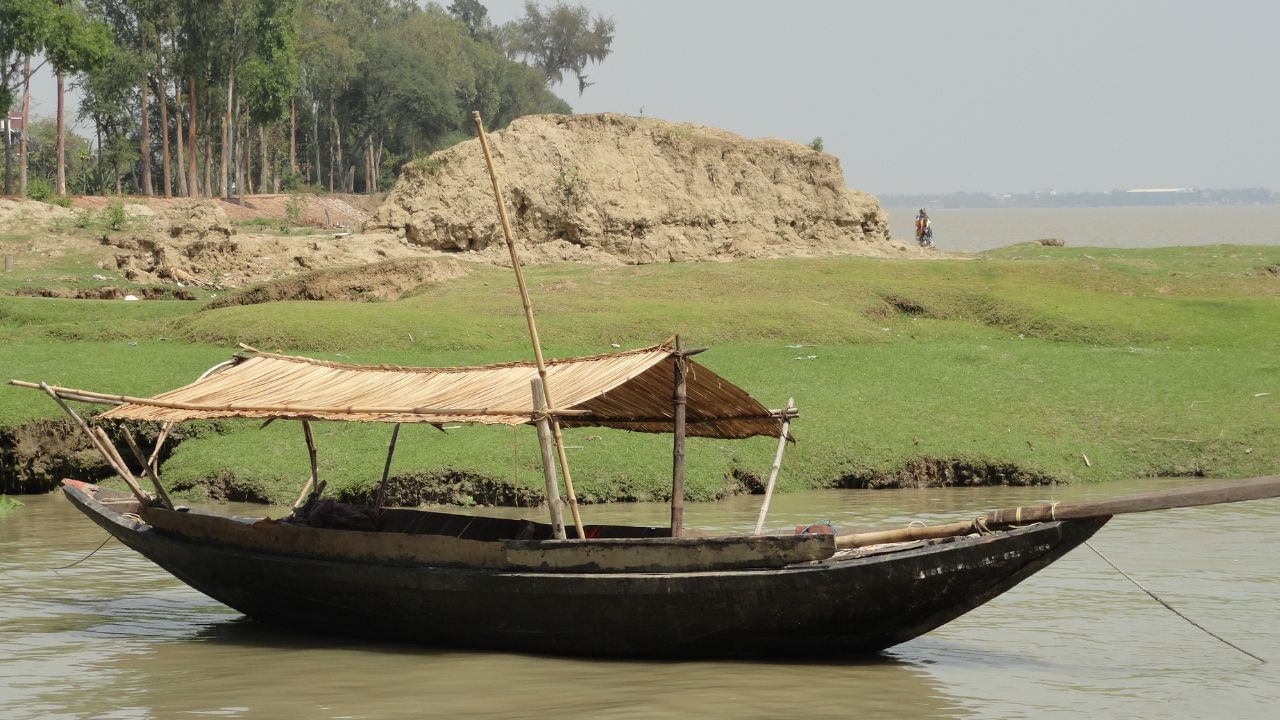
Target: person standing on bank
{"x":924,"y":229}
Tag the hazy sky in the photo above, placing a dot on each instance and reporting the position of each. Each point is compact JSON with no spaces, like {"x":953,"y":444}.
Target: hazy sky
{"x":986,"y":95}
{"x":975,"y":95}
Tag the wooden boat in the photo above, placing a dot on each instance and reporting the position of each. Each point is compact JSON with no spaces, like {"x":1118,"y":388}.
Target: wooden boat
{"x":761,"y":596}
{"x":445,"y":579}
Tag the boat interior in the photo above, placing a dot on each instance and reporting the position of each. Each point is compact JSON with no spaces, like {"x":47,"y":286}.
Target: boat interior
{"x":412,"y":521}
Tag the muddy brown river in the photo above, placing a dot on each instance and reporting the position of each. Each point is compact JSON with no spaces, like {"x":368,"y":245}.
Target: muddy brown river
{"x":116,"y":637}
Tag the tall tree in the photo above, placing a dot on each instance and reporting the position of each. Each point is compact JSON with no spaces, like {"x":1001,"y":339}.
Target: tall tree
{"x":269,"y":76}
{"x":329,"y":64}
{"x":26,"y":121}
{"x":24,"y":30}
{"x":560,"y":38}
{"x":474,"y":16}
{"x":110,"y":101}
{"x":74,"y":44}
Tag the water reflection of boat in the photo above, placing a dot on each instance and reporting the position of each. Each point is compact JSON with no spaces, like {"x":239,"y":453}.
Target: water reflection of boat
{"x":277,"y":673}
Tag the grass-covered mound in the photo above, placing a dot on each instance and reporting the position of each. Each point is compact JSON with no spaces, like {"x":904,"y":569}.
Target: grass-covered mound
{"x":1012,"y":367}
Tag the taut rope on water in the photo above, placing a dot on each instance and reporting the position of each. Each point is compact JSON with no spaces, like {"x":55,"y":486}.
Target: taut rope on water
{"x":86,"y":557}
{"x":1171,"y":608}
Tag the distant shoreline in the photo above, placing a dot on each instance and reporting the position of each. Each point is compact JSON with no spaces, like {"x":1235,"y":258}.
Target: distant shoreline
{"x":1138,"y":197}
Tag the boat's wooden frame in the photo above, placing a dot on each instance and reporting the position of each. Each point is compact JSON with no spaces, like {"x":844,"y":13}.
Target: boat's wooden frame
{"x":856,"y":601}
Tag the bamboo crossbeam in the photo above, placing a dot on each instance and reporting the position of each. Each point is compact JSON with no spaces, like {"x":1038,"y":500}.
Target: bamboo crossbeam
{"x":295,"y":409}
{"x":592,"y":417}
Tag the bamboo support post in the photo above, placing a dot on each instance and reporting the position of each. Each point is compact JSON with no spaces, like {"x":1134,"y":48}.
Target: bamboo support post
{"x":680,"y":402}
{"x":777,"y":464}
{"x":8,"y":263}
{"x":148,"y":468}
{"x":548,"y":459}
{"x":533,"y":327}
{"x":386,"y":469}
{"x":103,"y":449}
{"x":313,"y":481}
{"x":153,"y":459}
{"x":121,"y":468}
{"x":113,"y":454}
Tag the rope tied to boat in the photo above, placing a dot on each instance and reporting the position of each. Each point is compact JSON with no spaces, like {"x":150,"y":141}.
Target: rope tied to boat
{"x":86,"y":557}
{"x":1172,"y":609}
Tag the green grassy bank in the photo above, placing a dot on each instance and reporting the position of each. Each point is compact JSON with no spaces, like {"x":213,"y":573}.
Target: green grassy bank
{"x":1015,"y":366}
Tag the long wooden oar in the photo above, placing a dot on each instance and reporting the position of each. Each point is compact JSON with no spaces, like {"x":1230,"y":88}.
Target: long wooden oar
{"x":1259,"y":488}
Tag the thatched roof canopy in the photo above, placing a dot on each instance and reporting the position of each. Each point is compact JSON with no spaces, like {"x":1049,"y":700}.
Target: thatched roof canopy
{"x":631,"y":390}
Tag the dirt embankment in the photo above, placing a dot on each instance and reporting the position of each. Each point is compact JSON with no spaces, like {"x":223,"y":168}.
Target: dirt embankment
{"x":617,"y":189}
{"x":606,"y":189}
{"x":387,"y":280}
{"x":193,"y":242}
{"x":322,"y":211}
{"x":34,"y":457}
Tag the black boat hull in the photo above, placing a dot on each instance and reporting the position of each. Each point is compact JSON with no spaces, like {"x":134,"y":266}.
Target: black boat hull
{"x":857,"y":605}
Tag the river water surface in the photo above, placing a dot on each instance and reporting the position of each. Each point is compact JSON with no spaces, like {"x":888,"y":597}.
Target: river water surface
{"x":116,"y":637}
{"x":975,"y":229}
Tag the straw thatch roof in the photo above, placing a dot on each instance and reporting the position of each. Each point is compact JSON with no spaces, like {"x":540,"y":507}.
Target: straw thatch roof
{"x":631,"y":390}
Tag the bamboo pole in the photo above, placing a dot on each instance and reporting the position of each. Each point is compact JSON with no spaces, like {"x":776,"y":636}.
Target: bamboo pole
{"x":680,"y":402}
{"x":106,"y":398}
{"x":312,"y":481}
{"x":1259,"y":488}
{"x":777,"y":464}
{"x":386,"y":469}
{"x":148,"y":468}
{"x":548,"y":460}
{"x":153,"y":459}
{"x":116,"y":460}
{"x":533,"y":327}
{"x":122,"y":471}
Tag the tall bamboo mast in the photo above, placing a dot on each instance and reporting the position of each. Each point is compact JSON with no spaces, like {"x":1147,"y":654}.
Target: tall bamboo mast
{"x":533,"y":327}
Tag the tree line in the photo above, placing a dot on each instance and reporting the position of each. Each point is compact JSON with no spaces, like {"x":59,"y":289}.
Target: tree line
{"x":230,"y":97}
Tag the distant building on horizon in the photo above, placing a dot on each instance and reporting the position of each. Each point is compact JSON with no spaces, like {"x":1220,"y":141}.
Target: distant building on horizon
{"x":13,"y":123}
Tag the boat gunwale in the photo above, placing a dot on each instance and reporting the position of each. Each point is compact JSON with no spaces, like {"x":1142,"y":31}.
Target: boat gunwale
{"x":836,"y":562}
